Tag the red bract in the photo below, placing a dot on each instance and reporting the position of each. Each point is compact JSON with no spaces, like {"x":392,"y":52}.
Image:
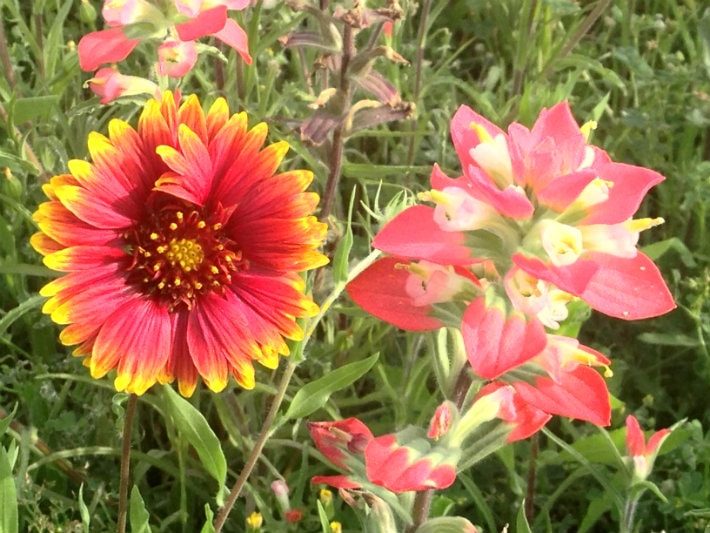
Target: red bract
{"x":400,"y":463}
{"x":340,"y":439}
{"x":643,"y":453}
{"x":537,"y":219}
{"x":569,"y":386}
{"x":141,"y":20}
{"x":525,"y":420}
{"x":636,"y":441}
{"x":403,"y":467}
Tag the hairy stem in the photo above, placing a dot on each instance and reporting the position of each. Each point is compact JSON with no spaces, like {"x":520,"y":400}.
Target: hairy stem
{"x":532,"y":473}
{"x":422,"y":501}
{"x":5,"y":58}
{"x":126,"y":463}
{"x":421,"y":43}
{"x":336,"y":153}
{"x":627,"y":520}
{"x":258,"y":447}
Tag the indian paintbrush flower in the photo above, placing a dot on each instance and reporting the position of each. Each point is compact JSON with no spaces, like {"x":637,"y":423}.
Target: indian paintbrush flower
{"x":177,"y":24}
{"x":642,"y":452}
{"x":538,"y":219}
{"x":180,"y":248}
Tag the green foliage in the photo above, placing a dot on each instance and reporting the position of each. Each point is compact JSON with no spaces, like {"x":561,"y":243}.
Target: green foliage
{"x":640,"y":68}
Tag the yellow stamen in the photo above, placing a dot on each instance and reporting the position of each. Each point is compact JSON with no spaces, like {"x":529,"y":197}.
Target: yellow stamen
{"x":482,"y":132}
{"x":641,"y":224}
{"x":154,"y":236}
{"x":587,"y":128}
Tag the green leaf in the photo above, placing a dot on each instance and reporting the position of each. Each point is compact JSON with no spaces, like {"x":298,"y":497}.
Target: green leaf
{"x":521,"y":521}
{"x":9,"y":522}
{"x":5,"y":422}
{"x":84,"y":511}
{"x":658,"y":249}
{"x":209,"y":520}
{"x":323,"y":517}
{"x":138,"y":514}
{"x":315,"y":394}
{"x":26,"y":306}
{"x":342,"y":252}
{"x":34,"y":107}
{"x":194,"y":427}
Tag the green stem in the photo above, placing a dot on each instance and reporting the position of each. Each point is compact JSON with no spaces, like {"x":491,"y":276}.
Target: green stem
{"x":627,"y":520}
{"x":126,"y":463}
{"x":267,"y":427}
{"x":421,"y":44}
{"x":258,"y":447}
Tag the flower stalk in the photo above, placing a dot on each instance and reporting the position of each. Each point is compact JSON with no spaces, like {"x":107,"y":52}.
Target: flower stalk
{"x":126,"y":463}
{"x":338,"y":146}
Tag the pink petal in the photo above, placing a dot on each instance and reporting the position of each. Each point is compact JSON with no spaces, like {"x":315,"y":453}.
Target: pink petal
{"x":654,"y":443}
{"x":562,"y":191}
{"x":511,"y":201}
{"x":207,"y":22}
{"x":414,"y":234}
{"x":630,"y":185}
{"x":233,"y":35}
{"x":630,"y":289}
{"x":401,"y":469}
{"x":558,"y":124}
{"x":176,"y":58}
{"x":440,"y":181}
{"x":572,"y":278}
{"x":465,"y":137}
{"x":105,"y":46}
{"x":580,"y":393}
{"x":635,"y":439}
{"x":496,"y":342}
{"x":380,"y":290}
{"x":337,"y":439}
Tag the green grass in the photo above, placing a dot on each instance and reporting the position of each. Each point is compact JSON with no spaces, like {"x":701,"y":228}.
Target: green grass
{"x":641,"y":68}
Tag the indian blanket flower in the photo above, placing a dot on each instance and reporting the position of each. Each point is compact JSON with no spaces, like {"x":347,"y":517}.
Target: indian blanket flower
{"x":642,"y":452}
{"x":180,"y":247}
{"x":539,"y":218}
{"x":178,"y":24}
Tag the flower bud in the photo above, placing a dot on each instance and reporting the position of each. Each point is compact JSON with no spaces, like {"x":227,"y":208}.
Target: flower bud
{"x":280,"y":490}
{"x":293,"y":516}
{"x":254,"y":522}
{"x":441,"y":422}
{"x":87,"y":12}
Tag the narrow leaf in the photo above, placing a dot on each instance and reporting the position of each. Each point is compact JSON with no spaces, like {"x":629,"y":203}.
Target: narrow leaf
{"x":315,"y":394}
{"x":190,"y":422}
{"x":138,"y":514}
{"x":8,"y":496}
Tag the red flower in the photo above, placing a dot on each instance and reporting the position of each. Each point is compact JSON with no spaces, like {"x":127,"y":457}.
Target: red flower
{"x":340,"y":439}
{"x":180,"y":249}
{"x":525,"y":419}
{"x":193,"y":19}
{"x":538,"y":219}
{"x":109,"y":84}
{"x":567,"y":384}
{"x":643,"y":453}
{"x":409,"y":465}
{"x":400,"y":463}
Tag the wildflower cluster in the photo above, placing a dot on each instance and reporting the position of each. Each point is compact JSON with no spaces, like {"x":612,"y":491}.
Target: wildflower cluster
{"x":539,"y":219}
{"x":176,"y":25}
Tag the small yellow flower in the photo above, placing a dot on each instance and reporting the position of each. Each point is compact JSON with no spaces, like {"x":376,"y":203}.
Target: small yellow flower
{"x":254,"y":521}
{"x":336,"y":527}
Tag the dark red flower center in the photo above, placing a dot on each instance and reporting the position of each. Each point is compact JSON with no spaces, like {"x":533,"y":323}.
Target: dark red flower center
{"x":178,"y":253}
